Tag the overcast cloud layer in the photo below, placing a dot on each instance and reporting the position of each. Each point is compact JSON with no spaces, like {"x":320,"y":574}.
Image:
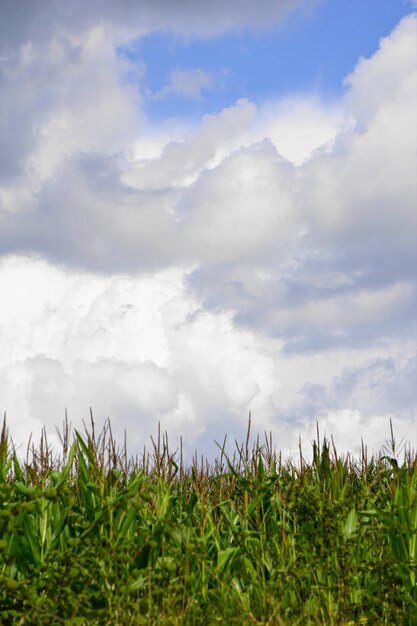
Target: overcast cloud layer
{"x":260,"y":259}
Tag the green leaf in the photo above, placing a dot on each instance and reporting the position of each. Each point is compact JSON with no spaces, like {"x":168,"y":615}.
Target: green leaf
{"x":225,"y":558}
{"x":351,"y":524}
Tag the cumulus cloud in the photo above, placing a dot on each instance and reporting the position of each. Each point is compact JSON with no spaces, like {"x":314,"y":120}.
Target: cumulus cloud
{"x":262,"y":259}
{"x":187,"y":84}
{"x":137,"y":348}
{"x":300,"y":125}
{"x":179,"y":207}
{"x":22,"y":22}
{"x":141,"y":349}
{"x":61,"y":97}
{"x":180,"y":161}
{"x":343,"y":267}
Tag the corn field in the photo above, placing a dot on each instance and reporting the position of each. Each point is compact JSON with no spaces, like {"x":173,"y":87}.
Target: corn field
{"x":94,"y":537}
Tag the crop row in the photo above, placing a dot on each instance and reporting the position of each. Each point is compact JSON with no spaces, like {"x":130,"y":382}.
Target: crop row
{"x":93,"y":537}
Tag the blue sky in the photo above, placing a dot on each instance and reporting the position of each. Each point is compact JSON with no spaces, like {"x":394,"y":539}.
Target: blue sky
{"x":308,"y":52}
{"x":206,"y":209}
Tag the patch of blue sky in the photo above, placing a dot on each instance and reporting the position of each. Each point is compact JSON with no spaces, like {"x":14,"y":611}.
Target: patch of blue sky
{"x":306,"y":54}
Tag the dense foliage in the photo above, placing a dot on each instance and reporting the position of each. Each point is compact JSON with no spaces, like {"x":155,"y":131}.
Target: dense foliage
{"x":93,"y":538}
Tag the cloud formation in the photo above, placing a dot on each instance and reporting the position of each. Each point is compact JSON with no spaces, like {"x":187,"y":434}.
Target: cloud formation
{"x":261,"y":259}
{"x":127,"y":19}
{"x":186,"y":84}
{"x":141,"y":349}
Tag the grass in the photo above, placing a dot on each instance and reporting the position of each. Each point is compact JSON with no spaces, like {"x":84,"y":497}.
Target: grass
{"x":95,"y":537}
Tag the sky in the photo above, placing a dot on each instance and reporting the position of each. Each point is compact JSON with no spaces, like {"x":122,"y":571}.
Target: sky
{"x":209,"y":209}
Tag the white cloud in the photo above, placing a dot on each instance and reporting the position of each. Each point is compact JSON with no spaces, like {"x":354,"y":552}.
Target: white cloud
{"x":129,"y":347}
{"x":263,"y":259}
{"x":300,"y":125}
{"x":127,"y":18}
{"x":78,"y":172}
{"x":61,"y":97}
{"x":388,"y":78}
{"x":187,"y":84}
{"x":140,"y":349}
{"x":179,"y":163}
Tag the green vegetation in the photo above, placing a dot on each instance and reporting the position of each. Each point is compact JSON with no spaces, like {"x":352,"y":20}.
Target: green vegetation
{"x":96,"y":538}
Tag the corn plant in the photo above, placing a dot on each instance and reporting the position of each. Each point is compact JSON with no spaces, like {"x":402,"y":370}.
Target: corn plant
{"x":93,"y":536}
